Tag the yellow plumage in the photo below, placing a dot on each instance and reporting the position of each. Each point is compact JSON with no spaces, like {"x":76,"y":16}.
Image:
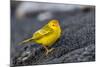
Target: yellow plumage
{"x":46,"y":36}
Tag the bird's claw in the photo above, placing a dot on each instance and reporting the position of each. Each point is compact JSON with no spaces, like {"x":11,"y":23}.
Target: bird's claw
{"x":49,"y":50}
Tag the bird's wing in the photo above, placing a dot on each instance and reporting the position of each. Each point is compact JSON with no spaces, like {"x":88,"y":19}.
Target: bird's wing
{"x":42,"y":32}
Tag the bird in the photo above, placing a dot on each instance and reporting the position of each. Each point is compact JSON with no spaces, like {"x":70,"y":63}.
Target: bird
{"x":46,"y":36}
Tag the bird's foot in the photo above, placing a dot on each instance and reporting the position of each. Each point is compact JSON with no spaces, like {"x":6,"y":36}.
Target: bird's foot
{"x":49,"y":50}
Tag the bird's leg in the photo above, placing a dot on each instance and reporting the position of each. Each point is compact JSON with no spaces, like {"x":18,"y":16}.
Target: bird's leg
{"x":48,"y":50}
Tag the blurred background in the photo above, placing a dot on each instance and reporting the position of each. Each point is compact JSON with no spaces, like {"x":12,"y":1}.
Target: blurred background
{"x":27,"y":17}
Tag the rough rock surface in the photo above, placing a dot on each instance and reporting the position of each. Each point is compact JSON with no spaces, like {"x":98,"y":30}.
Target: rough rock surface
{"x":77,"y":43}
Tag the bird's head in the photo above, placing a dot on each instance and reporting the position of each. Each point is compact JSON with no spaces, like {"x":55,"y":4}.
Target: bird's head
{"x":54,"y":24}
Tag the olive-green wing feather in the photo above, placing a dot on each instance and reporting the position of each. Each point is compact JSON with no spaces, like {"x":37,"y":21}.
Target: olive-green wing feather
{"x":42,"y":32}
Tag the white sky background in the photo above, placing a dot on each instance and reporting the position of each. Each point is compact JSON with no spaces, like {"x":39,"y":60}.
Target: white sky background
{"x":5,"y":33}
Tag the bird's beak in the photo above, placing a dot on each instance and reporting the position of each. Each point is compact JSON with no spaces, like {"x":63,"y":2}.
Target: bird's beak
{"x":57,"y":24}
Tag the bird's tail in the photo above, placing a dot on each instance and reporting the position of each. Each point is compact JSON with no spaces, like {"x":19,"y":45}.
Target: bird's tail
{"x":25,"y":41}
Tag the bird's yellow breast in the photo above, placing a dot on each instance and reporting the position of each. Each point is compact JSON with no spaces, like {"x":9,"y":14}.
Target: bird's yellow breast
{"x":50,"y":39}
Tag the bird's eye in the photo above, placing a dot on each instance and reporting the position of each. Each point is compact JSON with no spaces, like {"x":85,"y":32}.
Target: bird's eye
{"x":53,"y":25}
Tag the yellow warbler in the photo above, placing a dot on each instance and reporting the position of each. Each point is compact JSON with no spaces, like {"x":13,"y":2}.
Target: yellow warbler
{"x":46,"y":36}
